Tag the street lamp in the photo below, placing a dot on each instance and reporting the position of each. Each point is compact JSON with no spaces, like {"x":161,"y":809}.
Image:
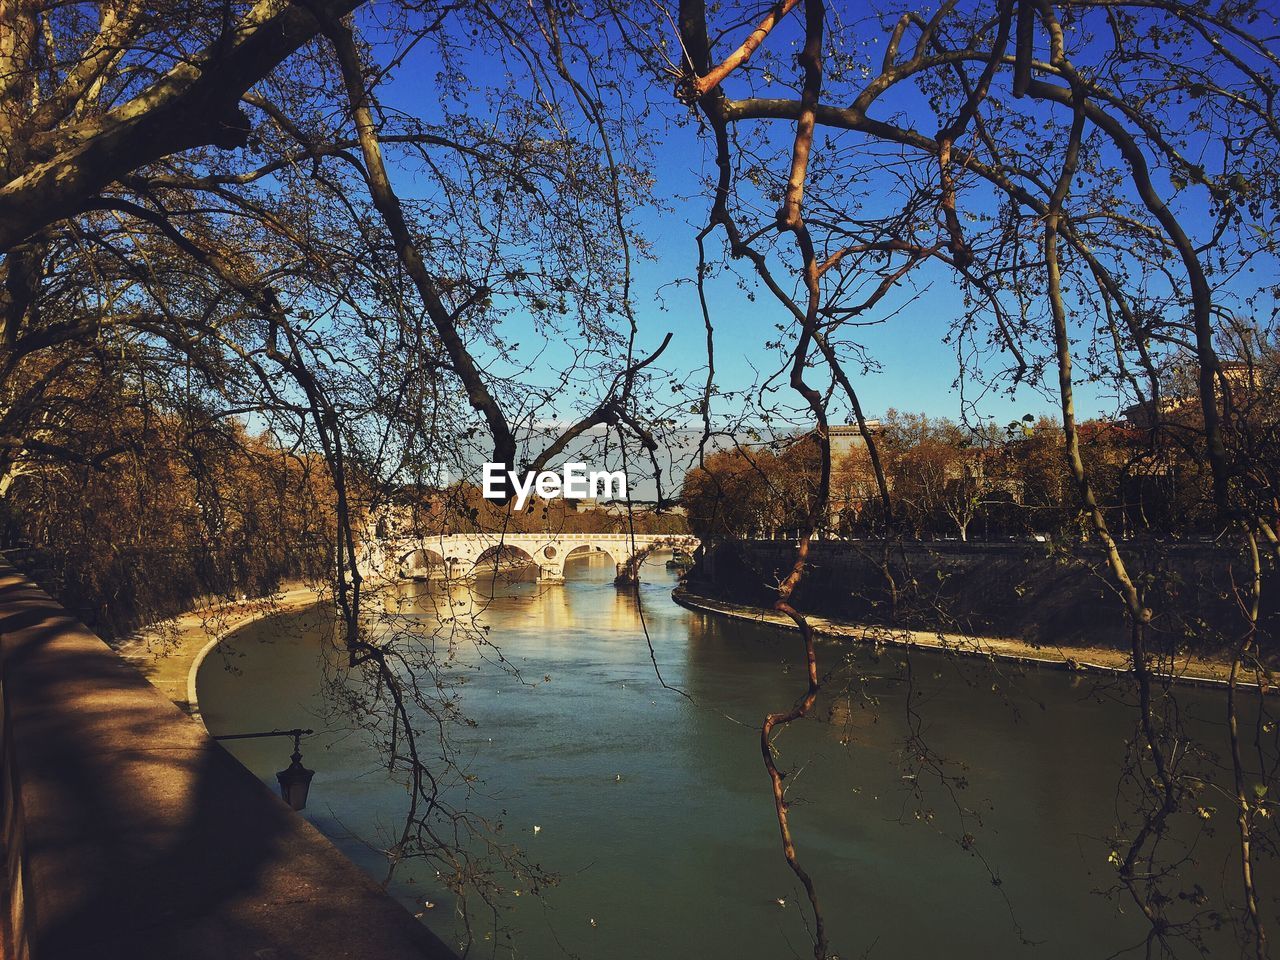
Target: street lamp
{"x":295,"y":780}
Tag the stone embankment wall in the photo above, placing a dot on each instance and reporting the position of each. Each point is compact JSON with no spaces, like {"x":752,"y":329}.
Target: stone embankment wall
{"x":129,"y":833}
{"x":1025,"y":591}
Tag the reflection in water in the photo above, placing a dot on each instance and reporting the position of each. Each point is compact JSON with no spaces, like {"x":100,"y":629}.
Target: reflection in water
{"x":654,"y":809}
{"x":521,"y":598}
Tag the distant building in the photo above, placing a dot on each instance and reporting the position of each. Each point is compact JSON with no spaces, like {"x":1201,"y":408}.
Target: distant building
{"x":1180,"y":400}
{"x":853,"y":481}
{"x":847,"y":438}
{"x":620,"y":508}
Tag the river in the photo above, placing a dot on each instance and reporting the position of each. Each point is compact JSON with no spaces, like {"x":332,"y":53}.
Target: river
{"x":653,"y":808}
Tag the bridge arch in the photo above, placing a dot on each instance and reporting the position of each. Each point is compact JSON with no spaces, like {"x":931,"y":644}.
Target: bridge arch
{"x":567,"y":548}
{"x":419,"y":563}
{"x":490,"y":561}
{"x":629,"y":570}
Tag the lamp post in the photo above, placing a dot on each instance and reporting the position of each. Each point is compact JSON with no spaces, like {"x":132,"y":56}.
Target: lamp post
{"x":295,"y":780}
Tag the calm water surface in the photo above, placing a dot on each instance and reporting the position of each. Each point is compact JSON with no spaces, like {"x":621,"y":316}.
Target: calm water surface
{"x":655,"y":810}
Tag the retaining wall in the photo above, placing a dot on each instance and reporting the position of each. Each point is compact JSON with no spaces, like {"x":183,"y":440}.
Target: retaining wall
{"x":1025,"y":591}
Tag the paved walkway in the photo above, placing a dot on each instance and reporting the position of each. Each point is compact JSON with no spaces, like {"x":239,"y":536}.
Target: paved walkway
{"x":136,"y":837}
{"x":166,"y":652}
{"x":1194,"y":670}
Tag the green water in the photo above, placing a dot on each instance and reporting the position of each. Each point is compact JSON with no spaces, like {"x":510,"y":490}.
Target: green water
{"x":654,"y":808}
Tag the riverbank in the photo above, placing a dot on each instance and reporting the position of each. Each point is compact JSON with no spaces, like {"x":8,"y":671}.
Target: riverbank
{"x":1029,"y":592}
{"x":1089,"y":659}
{"x":169,"y":653}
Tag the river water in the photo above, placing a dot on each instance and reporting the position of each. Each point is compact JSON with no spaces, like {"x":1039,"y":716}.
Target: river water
{"x":653,"y":808}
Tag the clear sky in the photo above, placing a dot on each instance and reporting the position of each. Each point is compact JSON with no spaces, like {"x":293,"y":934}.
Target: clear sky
{"x":917,"y":368}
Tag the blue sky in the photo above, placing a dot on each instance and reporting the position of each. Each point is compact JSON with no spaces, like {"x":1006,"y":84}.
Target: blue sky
{"x":918,"y":368}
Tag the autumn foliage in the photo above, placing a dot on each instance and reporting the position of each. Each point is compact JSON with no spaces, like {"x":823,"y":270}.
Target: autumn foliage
{"x":160,"y":505}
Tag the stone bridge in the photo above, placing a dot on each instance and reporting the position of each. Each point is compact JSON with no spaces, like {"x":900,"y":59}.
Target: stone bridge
{"x":465,"y":556}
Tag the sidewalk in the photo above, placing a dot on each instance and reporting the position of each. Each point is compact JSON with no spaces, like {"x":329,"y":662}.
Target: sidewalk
{"x":131,"y":835}
{"x":166,"y":652}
